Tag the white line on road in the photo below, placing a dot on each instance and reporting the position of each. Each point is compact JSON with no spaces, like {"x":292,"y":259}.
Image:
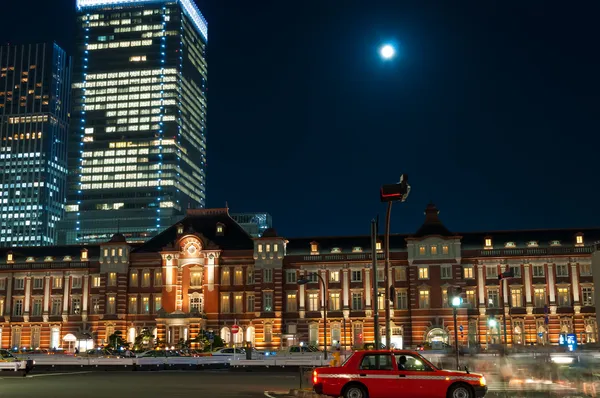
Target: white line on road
{"x":58,"y":374}
{"x":273,"y":394}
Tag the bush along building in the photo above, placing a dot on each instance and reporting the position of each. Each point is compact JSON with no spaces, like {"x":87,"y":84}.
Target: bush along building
{"x":206,"y":273}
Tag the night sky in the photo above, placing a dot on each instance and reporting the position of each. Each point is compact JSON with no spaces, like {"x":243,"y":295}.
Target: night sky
{"x":492,"y":109}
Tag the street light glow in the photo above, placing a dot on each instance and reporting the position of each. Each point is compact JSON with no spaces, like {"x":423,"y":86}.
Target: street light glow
{"x":387,"y":51}
{"x":456,"y":301}
{"x":492,"y":323}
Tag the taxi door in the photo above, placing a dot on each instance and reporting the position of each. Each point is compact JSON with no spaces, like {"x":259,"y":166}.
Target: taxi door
{"x":378,"y":373}
{"x":417,"y":379}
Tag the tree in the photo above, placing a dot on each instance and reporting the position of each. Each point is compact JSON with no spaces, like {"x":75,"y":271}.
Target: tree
{"x":183,"y":344}
{"x":202,"y":339}
{"x":144,"y":340}
{"x":160,"y":343}
{"x":116,"y":341}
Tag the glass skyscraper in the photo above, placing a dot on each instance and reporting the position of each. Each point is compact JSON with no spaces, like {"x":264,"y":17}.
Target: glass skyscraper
{"x":137,"y":152}
{"x":34,"y":117}
{"x":253,"y":223}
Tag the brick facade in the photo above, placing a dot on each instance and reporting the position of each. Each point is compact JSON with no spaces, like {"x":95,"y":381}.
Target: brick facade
{"x":206,"y":273}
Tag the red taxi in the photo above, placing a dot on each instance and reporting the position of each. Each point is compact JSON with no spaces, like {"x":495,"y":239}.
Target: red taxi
{"x":385,"y":374}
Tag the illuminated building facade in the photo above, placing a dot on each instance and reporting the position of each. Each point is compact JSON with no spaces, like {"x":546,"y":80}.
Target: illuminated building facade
{"x":34,"y":118}
{"x":138,"y":147}
{"x":207,"y":273}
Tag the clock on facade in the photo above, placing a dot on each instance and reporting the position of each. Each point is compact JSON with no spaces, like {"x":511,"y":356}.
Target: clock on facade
{"x":191,"y":246}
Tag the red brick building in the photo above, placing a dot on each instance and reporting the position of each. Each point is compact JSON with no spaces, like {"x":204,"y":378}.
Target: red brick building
{"x":207,"y":273}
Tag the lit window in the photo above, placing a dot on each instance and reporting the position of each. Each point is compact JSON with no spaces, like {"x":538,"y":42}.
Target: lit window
{"x":434,"y":250}
{"x":423,"y":298}
{"x":334,"y":276}
{"x":491,"y":272}
{"x":444,"y":249}
{"x":564,"y":299}
{"x":468,"y":272}
{"x":488,"y":242}
{"x":423,"y":272}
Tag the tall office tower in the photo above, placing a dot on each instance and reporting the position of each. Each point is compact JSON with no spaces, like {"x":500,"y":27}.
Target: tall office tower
{"x":138,"y":147}
{"x":34,"y":117}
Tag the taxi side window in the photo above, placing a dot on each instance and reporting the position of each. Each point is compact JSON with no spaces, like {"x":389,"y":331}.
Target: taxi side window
{"x":412,"y":363}
{"x":376,"y":362}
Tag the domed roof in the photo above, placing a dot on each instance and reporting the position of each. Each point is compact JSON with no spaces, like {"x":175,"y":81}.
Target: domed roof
{"x":118,"y":238}
{"x":269,"y":233}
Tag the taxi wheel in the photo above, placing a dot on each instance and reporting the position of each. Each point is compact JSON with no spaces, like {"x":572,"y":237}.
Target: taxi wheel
{"x":355,"y":391}
{"x":460,"y":391}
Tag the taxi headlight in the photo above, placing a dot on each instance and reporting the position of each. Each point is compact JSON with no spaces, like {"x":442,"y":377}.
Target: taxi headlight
{"x":482,"y":381}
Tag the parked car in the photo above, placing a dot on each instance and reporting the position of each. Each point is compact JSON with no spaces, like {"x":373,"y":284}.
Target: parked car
{"x":9,"y":362}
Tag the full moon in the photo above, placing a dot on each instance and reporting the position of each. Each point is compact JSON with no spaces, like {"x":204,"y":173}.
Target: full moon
{"x":387,"y":51}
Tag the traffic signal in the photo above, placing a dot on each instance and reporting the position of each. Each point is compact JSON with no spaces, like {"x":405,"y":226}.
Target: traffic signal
{"x":395,"y":192}
{"x":507,"y":274}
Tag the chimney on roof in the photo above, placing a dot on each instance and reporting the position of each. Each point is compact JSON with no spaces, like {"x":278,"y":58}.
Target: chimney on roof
{"x":432,"y":224}
{"x":431,"y":214}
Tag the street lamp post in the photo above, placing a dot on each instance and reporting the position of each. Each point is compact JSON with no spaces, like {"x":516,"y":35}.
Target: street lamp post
{"x":456,"y":303}
{"x":325,"y":303}
{"x":391,"y":193}
{"x":374,"y":229}
{"x":502,"y":277}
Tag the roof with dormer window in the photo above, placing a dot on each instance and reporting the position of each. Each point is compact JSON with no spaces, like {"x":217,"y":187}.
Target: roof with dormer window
{"x":204,"y":222}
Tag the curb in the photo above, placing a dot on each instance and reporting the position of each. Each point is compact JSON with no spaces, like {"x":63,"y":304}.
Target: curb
{"x":305,"y":393}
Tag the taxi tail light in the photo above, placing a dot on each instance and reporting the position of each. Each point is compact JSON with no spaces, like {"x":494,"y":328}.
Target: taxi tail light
{"x":315,"y":377}
{"x":482,"y":381}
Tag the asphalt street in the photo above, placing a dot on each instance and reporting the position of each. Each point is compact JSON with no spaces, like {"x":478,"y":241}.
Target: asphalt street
{"x":204,"y":384}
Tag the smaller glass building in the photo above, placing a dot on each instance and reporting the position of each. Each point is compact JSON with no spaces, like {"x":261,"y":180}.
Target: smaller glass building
{"x":253,"y":223}
{"x":34,"y":117}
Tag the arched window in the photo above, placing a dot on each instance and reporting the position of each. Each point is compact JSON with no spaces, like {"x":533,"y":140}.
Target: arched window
{"x":268,"y":333}
{"x":238,"y":338}
{"x":357,"y":331}
{"x":131,"y":335}
{"x":313,"y":334}
{"x":226,"y":335}
{"x":196,"y":303}
{"x":15,"y":339}
{"x":55,"y":338}
{"x":336,"y":335}
{"x":251,"y":335}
